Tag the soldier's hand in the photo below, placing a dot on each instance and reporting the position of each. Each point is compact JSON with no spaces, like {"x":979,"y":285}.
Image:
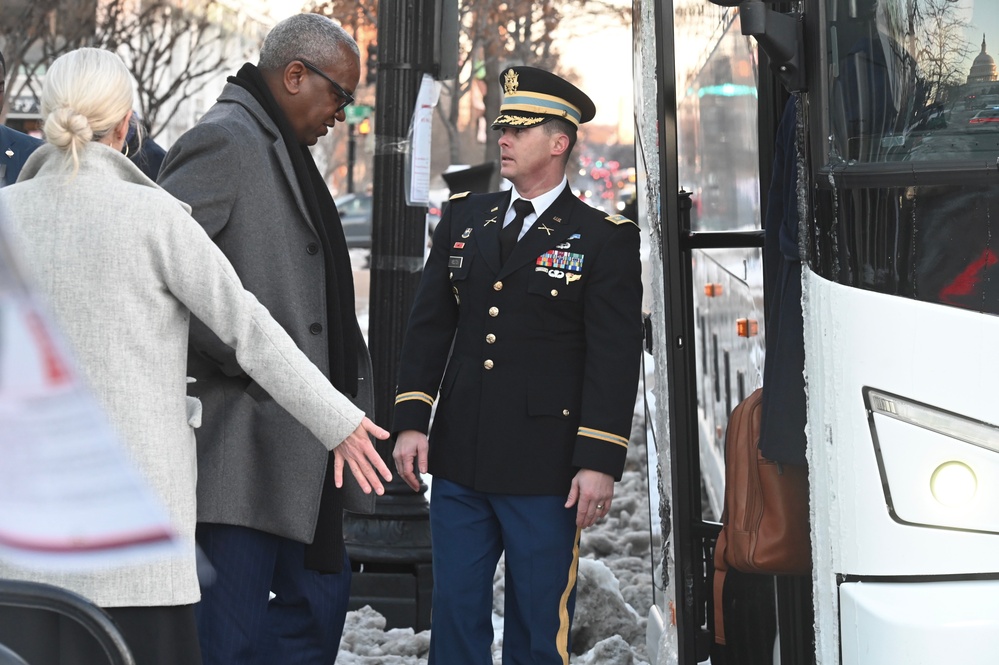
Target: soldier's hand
{"x":592,"y":492}
{"x":411,"y":446}
{"x":365,"y":462}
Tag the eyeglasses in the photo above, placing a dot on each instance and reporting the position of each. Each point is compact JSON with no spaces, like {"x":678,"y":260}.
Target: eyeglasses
{"x":347,"y":98}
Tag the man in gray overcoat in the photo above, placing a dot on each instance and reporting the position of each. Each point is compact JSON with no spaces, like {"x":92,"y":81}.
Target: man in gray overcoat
{"x":269,"y":515}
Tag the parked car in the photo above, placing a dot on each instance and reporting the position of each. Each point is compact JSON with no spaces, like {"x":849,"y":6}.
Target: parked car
{"x":355,"y":215}
{"x":987,"y":119}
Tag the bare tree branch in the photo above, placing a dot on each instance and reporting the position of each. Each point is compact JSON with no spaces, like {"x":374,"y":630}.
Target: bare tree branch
{"x":171,"y":48}
{"x":936,"y":40}
{"x":172,"y":52}
{"x":36,"y":32}
{"x":492,"y":35}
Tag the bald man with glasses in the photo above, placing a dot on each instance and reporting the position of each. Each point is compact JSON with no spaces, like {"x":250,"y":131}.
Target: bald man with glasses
{"x":269,"y":514}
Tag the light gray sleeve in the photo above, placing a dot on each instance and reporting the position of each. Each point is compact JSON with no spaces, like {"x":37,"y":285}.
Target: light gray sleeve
{"x":202,"y":170}
{"x":200,"y":276}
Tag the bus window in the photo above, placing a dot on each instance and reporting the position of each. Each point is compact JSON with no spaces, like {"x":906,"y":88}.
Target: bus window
{"x":906,"y":202}
{"x":912,"y":80}
{"x":717,"y":133}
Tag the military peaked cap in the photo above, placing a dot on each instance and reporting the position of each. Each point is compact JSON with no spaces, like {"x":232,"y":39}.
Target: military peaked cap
{"x":533,"y":96}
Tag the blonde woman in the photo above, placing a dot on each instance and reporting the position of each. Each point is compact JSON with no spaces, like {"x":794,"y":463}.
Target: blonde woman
{"x":123,"y":266}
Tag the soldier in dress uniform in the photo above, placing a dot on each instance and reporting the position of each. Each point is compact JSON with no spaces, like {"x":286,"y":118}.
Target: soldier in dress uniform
{"x":526,"y":330}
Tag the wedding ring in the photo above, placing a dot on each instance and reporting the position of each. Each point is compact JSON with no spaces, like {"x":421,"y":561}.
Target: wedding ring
{"x":600,"y":506}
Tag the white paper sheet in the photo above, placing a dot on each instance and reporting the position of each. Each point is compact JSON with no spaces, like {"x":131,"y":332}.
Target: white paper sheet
{"x":418,"y":192}
{"x":69,"y":497}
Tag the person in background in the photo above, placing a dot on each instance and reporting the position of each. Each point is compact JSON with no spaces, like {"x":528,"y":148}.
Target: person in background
{"x":123,"y":266}
{"x":269,"y":520}
{"x":15,"y":147}
{"x":144,"y":152}
{"x":528,"y":324}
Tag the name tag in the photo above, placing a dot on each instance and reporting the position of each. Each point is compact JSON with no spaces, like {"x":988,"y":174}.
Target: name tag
{"x":454,"y":262}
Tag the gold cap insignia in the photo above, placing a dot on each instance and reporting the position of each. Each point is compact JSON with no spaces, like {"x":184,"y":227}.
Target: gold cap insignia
{"x":510,"y":82}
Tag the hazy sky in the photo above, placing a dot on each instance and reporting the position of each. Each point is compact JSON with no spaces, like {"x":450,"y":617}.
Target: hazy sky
{"x":602,"y":58}
{"x":985,"y":18}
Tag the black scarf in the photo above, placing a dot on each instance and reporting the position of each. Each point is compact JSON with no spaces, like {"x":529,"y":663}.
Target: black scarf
{"x":325,"y":553}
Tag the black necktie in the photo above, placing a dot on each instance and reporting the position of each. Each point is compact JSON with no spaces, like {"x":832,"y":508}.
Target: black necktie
{"x":510,"y":233}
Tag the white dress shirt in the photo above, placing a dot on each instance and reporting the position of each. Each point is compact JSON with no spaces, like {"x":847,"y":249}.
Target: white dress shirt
{"x":540,"y":204}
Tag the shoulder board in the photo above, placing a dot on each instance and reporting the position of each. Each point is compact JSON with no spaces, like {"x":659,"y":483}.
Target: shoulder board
{"x":460,"y":195}
{"x":620,"y":219}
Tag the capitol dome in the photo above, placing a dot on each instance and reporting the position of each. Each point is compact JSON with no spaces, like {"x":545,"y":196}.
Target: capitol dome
{"x":984,"y":67}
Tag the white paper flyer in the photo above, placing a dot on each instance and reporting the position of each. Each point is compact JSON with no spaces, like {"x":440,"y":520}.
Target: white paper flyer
{"x":418,"y":192}
{"x":69,"y":497}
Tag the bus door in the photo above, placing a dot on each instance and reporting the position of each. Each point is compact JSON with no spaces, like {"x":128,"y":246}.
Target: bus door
{"x":704,"y":170}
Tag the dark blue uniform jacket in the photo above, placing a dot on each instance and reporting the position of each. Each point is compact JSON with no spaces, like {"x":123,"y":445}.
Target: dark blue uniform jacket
{"x":15,"y":148}
{"x":536,"y":361}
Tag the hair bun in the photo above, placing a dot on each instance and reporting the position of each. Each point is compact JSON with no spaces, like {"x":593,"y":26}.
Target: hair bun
{"x":65,"y":128}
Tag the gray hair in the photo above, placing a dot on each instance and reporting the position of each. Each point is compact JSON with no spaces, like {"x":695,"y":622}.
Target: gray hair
{"x":311,"y":36}
{"x":86,"y":93}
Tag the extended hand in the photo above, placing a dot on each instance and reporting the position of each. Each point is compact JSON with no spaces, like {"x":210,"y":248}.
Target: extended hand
{"x":410,"y":445}
{"x":365,"y":462}
{"x":593,"y":491}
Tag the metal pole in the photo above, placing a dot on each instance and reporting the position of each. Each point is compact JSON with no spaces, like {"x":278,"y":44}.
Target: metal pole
{"x":351,"y":152}
{"x":391,"y":548}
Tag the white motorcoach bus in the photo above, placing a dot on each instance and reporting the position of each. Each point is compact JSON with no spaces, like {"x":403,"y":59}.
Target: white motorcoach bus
{"x":897,"y":158}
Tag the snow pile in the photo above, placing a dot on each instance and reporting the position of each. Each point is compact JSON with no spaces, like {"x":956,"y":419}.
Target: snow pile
{"x":366,"y":642}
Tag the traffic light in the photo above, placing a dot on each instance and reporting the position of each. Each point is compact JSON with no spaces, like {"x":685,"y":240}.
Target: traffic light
{"x":371,"y":66}
{"x":364,"y":127}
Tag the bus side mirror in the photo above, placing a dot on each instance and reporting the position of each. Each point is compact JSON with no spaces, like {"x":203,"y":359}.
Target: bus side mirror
{"x":781,"y":36}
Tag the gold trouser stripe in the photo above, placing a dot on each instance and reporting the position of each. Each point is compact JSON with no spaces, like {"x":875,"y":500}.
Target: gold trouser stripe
{"x":422,"y":397}
{"x":603,"y":436}
{"x":562,"y":640}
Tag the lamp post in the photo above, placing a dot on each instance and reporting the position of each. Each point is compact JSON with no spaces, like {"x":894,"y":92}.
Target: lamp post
{"x":351,"y":151}
{"x":390,"y":549}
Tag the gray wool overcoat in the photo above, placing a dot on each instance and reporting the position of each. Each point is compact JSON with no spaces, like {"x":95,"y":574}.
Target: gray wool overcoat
{"x":123,"y":267}
{"x":257,"y":466}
